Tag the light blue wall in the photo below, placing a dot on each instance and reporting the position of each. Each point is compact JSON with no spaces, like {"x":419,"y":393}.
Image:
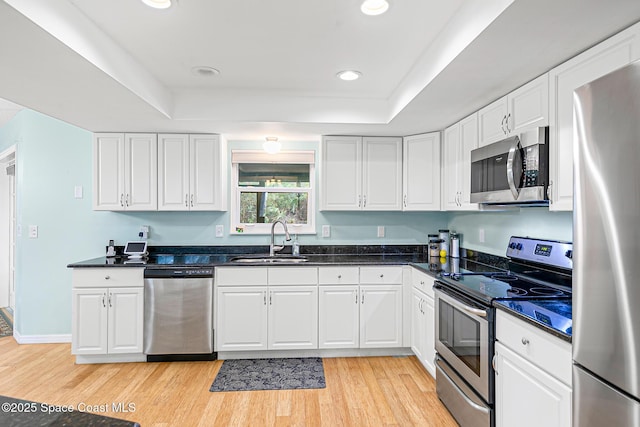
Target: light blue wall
{"x":54,"y":157}
{"x":499,"y":226}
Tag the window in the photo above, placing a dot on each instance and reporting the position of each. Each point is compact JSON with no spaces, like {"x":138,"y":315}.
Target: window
{"x":270,"y":187}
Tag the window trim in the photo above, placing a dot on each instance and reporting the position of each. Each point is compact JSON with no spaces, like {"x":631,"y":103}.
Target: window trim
{"x":292,"y":157}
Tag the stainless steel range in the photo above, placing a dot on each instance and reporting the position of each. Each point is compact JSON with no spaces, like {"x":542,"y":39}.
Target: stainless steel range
{"x":538,"y":283}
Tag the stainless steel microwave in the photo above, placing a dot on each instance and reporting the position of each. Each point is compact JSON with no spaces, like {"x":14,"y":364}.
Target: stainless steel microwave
{"x":514,"y":170}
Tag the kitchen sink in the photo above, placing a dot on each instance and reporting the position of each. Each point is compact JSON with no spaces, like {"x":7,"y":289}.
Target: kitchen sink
{"x":266,"y":259}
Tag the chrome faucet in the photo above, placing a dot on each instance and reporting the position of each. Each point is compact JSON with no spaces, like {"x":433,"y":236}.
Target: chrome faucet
{"x":272,"y":248}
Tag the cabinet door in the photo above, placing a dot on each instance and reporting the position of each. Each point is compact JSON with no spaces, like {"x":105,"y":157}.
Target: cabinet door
{"x":547,"y":402}
{"x":206,"y":173}
{"x":451,"y":146}
{"x":241,"y":318}
{"x":108,"y":171}
{"x":380,"y":316}
{"x":609,"y":55}
{"x":382,"y":174}
{"x":418,"y":325}
{"x":89,"y":321}
{"x":529,"y":105}
{"x":429,"y":350}
{"x":468,"y":142}
{"x":173,"y":172}
{"x":341,"y":173}
{"x":126,"y":315}
{"x":293,"y":317}
{"x":339,"y":321}
{"x":421,"y":172}
{"x":492,"y":122}
{"x":141,"y":171}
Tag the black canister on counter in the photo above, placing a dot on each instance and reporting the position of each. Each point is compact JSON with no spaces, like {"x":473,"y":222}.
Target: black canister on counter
{"x":434,"y":245}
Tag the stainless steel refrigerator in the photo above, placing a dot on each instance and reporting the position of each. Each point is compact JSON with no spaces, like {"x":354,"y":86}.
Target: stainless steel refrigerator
{"x":606,"y":262}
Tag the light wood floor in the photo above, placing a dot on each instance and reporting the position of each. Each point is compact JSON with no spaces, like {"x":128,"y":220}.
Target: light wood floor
{"x":373,"y":391}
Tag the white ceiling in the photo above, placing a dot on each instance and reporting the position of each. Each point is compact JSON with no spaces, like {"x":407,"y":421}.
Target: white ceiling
{"x":118,"y":65}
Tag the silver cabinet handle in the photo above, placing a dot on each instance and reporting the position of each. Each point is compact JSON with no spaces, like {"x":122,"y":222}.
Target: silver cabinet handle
{"x":420,"y":306}
{"x":464,"y":396}
{"x":186,"y":200}
{"x":110,"y":300}
{"x":493,"y":364}
{"x":364,"y":201}
{"x":103,"y":303}
{"x":507,"y":123}
{"x":524,"y":341}
{"x":264,"y":297}
{"x":359,"y":200}
{"x":356,"y":294}
{"x":270,"y":298}
{"x":405,"y":200}
{"x":549,"y":187}
{"x":192,"y":200}
{"x":363,"y":298}
{"x":126,"y":200}
{"x":504,"y":118}
{"x":122,"y":199}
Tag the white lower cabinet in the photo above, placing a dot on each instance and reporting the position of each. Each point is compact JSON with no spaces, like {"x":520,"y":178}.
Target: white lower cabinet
{"x":533,"y":376}
{"x":107,"y":320}
{"x":356,"y":313}
{"x":278,"y":312}
{"x":423,"y":320}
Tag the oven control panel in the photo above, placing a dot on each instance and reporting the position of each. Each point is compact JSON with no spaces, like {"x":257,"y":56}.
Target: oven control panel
{"x":550,"y":252}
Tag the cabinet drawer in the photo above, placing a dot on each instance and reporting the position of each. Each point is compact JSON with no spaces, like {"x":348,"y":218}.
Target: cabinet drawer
{"x":249,"y":276}
{"x":338,"y":275}
{"x":542,"y":349}
{"x":422,"y":281}
{"x":107,"y":277}
{"x":293,"y":276}
{"x":381,"y":275}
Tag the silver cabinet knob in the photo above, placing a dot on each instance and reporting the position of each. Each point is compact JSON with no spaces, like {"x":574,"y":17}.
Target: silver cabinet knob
{"x":339,"y":276}
{"x":107,"y":277}
{"x":524,"y":341}
{"x":381,"y":276}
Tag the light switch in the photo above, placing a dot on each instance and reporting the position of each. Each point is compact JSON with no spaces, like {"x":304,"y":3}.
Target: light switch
{"x":219,"y":230}
{"x":381,"y":231}
{"x":33,"y":231}
{"x":326,"y":231}
{"x":77,"y":192}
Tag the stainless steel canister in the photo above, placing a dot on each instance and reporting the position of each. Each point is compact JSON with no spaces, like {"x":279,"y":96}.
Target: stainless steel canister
{"x":444,"y":245}
{"x":455,"y":246}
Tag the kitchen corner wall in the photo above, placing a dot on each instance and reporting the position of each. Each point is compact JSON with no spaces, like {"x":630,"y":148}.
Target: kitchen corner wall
{"x":53,"y":157}
{"x":499,"y":226}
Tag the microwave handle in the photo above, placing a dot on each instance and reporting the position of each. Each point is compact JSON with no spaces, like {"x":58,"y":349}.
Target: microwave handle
{"x":510,"y":177}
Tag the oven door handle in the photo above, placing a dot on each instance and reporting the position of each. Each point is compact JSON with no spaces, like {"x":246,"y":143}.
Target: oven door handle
{"x":476,"y":311}
{"x":462,"y":394}
{"x":457,"y":303}
{"x":510,"y":175}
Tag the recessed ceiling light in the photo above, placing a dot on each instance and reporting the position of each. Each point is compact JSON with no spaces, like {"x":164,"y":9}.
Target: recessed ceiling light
{"x":158,"y":4}
{"x":374,"y":7}
{"x":349,"y":75}
{"x":271,"y":145}
{"x":205,"y":71}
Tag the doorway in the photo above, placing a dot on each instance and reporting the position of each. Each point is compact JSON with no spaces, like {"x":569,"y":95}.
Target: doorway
{"x":7,"y":228}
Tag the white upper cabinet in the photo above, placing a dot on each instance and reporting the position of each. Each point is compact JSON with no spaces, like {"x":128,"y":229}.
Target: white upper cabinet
{"x":608,"y":56}
{"x":523,"y":108}
{"x":125,"y":171}
{"x":459,"y":140}
{"x":191,"y":172}
{"x":421,"y":172}
{"x":361,"y":173}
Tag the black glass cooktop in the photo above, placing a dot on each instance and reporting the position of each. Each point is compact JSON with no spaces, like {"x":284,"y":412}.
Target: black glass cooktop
{"x":488,"y":287}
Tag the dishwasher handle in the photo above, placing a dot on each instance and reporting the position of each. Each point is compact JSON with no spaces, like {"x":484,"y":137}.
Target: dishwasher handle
{"x":177,"y":273}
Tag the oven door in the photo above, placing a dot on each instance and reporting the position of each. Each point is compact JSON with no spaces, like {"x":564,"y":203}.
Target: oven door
{"x":463,"y":339}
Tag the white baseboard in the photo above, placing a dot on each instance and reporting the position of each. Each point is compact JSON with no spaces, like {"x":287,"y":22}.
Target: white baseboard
{"x":348,"y":352}
{"x":41,"y":339}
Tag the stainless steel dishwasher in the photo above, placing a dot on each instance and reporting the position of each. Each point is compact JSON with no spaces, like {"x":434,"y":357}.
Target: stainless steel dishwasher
{"x":178,"y":314}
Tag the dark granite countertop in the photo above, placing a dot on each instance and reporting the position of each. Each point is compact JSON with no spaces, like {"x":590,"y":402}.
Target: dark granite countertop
{"x":559,"y":326}
{"x":18,"y":413}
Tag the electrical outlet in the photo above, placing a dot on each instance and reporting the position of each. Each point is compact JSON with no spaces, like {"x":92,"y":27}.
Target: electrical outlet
{"x":219,"y":230}
{"x":381,"y":231}
{"x":144,"y":232}
{"x":326,"y":231}
{"x":481,"y":235}
{"x":33,"y":231}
